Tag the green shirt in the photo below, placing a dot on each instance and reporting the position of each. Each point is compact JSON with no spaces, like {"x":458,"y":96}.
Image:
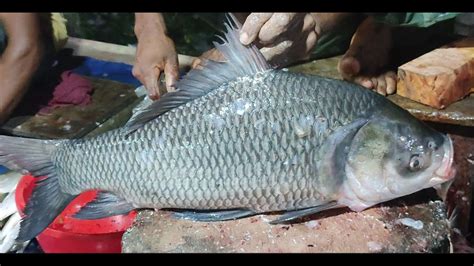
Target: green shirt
{"x":421,"y":20}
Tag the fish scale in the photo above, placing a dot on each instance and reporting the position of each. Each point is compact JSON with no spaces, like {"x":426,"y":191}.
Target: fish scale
{"x":196,"y":155}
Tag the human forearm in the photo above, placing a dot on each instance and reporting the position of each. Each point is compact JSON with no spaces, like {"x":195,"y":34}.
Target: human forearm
{"x":15,"y":78}
{"x":155,"y":54}
{"x":153,"y":21}
{"x":20,"y":59}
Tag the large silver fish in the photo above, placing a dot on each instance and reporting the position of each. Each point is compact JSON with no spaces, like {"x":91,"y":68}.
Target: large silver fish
{"x":239,"y":138}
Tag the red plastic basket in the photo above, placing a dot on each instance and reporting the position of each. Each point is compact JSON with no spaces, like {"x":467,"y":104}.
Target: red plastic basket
{"x":69,"y":235}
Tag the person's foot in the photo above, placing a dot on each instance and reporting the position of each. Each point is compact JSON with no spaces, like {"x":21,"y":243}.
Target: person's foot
{"x":367,"y":58}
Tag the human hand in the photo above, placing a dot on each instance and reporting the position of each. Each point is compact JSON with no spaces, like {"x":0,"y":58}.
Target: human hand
{"x":284,"y":38}
{"x":155,"y":54}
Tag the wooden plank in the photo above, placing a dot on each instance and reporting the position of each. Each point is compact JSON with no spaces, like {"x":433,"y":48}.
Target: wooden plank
{"x":113,"y":52}
{"x":440,"y":77}
{"x":108,"y":98}
{"x":459,"y":113}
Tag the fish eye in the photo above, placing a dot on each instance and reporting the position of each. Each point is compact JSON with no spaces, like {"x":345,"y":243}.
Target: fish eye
{"x":432,"y":145}
{"x":416,"y":163}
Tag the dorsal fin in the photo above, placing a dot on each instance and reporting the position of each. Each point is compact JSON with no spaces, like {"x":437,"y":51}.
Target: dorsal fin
{"x":240,"y":61}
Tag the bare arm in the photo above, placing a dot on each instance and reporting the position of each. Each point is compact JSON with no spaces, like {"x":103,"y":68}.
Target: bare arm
{"x":154,"y":20}
{"x":155,"y":53}
{"x":20,"y":59}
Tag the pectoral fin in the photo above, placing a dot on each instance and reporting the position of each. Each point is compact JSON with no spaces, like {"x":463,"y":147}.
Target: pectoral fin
{"x":212,"y":216}
{"x":293,"y":215}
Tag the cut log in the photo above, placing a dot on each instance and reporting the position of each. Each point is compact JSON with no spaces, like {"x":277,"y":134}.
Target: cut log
{"x":407,"y":226}
{"x":440,"y":77}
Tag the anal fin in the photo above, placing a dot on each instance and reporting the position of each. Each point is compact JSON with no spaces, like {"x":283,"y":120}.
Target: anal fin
{"x":104,"y":205}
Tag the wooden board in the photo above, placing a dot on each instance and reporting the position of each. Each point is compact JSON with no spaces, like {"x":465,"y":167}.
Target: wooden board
{"x":440,"y":77}
{"x":459,"y":113}
{"x":108,"y":98}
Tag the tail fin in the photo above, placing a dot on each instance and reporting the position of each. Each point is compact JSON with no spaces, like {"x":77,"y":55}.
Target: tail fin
{"x":47,"y":200}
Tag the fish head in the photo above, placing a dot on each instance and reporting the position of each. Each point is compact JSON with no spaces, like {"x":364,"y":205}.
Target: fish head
{"x":392,"y":156}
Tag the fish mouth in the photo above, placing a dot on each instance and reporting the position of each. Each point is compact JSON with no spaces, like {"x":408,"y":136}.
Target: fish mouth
{"x":446,"y":171}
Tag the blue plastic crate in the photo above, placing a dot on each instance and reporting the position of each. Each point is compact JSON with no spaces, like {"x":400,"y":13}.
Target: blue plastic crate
{"x":107,"y":70}
{"x":3,"y":169}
